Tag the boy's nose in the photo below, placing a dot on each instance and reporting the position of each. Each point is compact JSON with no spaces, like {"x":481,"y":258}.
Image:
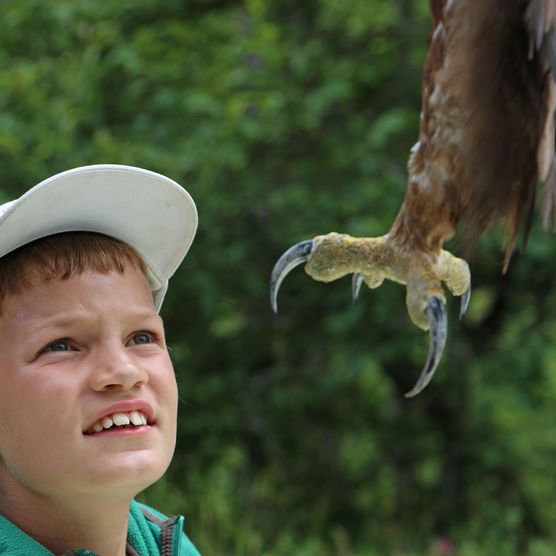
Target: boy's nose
{"x":117,"y":369}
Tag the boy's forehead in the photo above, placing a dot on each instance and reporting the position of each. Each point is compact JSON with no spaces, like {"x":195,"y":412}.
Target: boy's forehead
{"x":83,"y":296}
{"x":58,"y":257}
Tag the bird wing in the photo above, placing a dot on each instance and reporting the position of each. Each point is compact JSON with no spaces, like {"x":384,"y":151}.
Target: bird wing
{"x":486,"y":137}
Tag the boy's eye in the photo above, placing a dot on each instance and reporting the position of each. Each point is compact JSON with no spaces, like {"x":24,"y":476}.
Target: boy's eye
{"x":58,"y":345}
{"x":141,"y":338}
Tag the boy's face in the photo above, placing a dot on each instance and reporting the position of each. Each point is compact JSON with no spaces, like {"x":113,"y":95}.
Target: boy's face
{"x":73,"y":352}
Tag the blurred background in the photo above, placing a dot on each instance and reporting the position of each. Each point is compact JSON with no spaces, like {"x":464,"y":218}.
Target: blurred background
{"x":287,"y":119}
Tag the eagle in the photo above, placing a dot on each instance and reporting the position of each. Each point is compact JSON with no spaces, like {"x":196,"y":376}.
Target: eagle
{"x":485,"y":146}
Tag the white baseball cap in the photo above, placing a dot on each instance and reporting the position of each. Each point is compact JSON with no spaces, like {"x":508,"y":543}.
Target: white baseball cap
{"x":148,"y":211}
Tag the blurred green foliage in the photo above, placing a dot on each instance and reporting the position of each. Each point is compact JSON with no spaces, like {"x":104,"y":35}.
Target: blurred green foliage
{"x":287,"y":119}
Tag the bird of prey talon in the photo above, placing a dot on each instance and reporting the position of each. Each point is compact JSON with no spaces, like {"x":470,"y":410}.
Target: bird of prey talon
{"x":371,"y":260}
{"x":486,"y":140}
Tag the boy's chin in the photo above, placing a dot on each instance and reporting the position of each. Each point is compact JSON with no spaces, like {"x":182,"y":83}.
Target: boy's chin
{"x":131,"y":472}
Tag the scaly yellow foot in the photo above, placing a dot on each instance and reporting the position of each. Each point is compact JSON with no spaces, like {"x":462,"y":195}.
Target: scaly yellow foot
{"x":372,"y":260}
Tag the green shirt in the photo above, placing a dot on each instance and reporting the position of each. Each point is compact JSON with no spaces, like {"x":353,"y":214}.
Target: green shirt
{"x":150,"y":533}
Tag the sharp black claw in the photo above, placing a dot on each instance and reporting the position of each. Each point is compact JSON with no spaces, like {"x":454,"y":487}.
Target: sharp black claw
{"x":465,"y":302}
{"x":356,"y":282}
{"x":294,"y":256}
{"x":437,"y":334}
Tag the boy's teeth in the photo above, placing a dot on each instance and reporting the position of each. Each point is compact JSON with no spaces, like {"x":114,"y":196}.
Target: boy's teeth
{"x":120,"y":419}
{"x":107,"y":422}
{"x":136,"y":418}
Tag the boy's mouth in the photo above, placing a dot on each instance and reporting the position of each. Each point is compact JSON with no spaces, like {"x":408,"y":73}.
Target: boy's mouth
{"x":119,"y":420}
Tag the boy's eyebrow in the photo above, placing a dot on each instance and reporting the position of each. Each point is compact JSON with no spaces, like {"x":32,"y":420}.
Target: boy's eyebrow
{"x":65,"y":320}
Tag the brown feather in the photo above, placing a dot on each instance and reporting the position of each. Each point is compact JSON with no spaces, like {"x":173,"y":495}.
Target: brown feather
{"x":549,"y":199}
{"x":486,"y":135}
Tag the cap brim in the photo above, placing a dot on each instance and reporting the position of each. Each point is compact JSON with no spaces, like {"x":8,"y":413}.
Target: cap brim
{"x":148,"y":211}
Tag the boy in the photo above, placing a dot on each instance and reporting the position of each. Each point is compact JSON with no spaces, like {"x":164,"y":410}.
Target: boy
{"x":88,"y":397}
